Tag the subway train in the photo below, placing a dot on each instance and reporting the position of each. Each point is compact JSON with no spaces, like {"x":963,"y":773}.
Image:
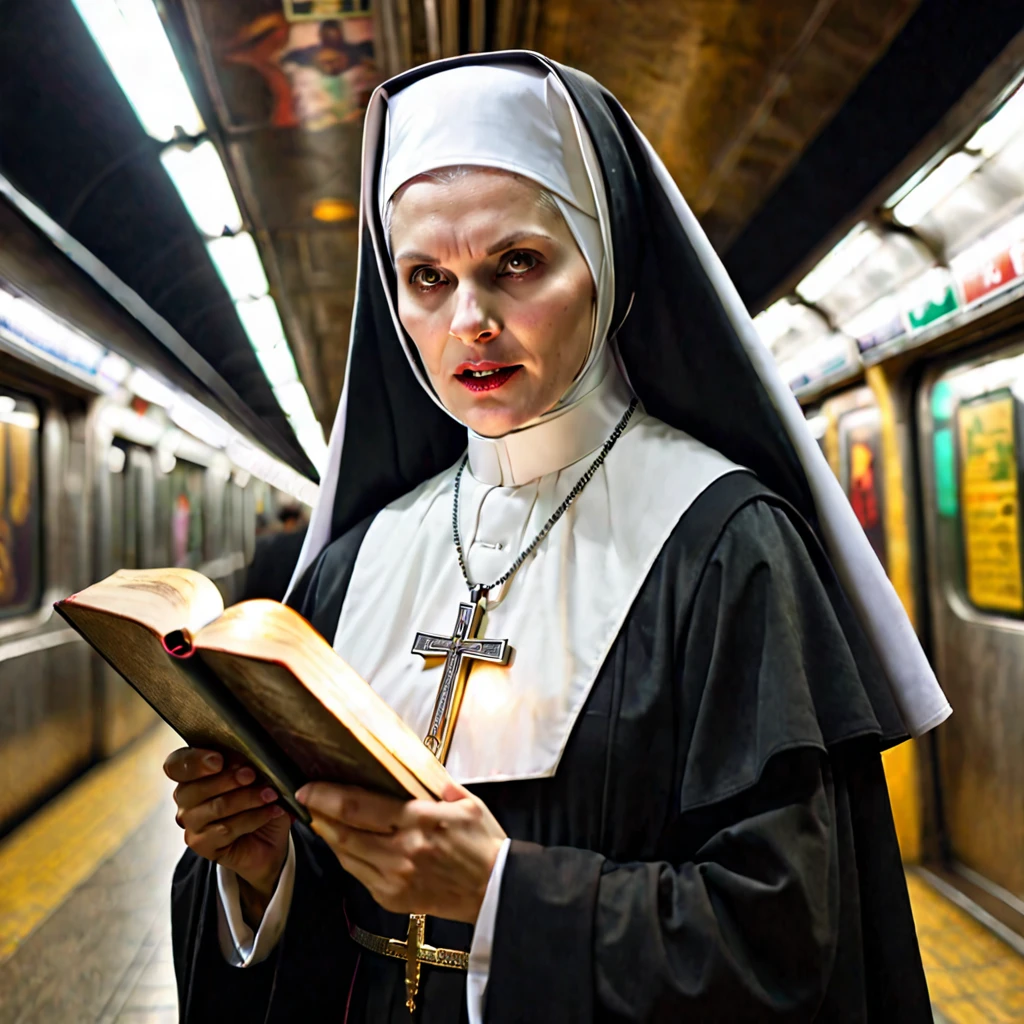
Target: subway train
{"x":904,"y":343}
{"x":929,"y":454}
{"x":103,"y":465}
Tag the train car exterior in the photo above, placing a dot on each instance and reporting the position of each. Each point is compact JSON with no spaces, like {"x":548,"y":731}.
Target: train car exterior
{"x":905,"y":344}
{"x":89,"y":486}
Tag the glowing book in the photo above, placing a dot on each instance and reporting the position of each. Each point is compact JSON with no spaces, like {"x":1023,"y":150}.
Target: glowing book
{"x":256,"y":680}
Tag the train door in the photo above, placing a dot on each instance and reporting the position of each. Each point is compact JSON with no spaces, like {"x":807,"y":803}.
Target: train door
{"x":969,"y":425}
{"x":848,"y":426}
{"x":129,"y":537}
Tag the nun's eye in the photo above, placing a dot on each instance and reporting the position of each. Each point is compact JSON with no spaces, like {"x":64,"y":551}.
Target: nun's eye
{"x":517,"y":264}
{"x":426,"y":277}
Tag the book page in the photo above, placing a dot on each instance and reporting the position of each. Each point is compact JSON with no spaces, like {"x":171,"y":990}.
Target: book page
{"x":164,"y":600}
{"x":269,"y":632}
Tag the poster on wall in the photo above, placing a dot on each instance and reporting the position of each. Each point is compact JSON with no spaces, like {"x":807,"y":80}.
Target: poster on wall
{"x":860,"y":445}
{"x":990,"y":501}
{"x":290,"y":65}
{"x":19,"y":506}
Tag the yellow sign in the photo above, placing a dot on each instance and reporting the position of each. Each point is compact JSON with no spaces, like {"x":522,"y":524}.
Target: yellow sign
{"x":990,"y":503}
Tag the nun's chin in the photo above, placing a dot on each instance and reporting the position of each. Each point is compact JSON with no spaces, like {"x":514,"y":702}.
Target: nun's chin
{"x":497,"y":409}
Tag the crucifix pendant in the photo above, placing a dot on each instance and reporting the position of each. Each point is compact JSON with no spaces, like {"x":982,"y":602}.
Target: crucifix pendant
{"x":459,"y":651}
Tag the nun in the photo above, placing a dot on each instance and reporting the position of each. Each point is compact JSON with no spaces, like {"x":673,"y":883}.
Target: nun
{"x":575,"y":531}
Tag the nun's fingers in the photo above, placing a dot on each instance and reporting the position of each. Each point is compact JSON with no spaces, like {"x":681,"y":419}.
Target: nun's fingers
{"x":187,"y":764}
{"x":352,"y":806}
{"x":225,"y":806}
{"x":188,"y":795}
{"x":213,"y":841}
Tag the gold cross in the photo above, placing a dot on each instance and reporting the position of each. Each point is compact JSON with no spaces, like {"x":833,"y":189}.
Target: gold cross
{"x":417,"y":930}
{"x":460,"y":650}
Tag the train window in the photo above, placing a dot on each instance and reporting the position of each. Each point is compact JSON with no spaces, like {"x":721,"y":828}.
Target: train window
{"x":187,"y":519}
{"x":987,"y":432}
{"x":21,"y":571}
{"x":860,"y":460}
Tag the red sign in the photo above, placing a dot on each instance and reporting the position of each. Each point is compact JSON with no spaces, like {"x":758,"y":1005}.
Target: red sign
{"x":1002,"y":270}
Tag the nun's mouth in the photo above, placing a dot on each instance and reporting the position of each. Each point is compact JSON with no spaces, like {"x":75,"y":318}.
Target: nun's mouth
{"x":485,"y":376}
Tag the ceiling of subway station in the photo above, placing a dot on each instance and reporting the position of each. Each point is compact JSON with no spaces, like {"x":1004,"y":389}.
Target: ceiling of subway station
{"x":729,"y":92}
{"x":758,"y":107}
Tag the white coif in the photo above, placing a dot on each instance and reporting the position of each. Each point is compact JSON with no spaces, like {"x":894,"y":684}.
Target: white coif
{"x":561,"y":611}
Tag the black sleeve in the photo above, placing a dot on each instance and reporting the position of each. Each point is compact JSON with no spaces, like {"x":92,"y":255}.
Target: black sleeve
{"x":739,"y":921}
{"x":320,"y":592}
{"x":315,"y":945}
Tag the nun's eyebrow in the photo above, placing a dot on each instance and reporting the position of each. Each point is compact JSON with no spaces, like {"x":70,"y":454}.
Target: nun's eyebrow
{"x":419,"y":257}
{"x":516,"y":238}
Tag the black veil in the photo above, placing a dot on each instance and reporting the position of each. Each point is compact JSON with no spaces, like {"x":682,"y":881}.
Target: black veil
{"x":688,"y":346}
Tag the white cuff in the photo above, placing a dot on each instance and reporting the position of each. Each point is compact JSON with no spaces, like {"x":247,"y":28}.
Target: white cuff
{"x":483,"y":939}
{"x":237,"y":943}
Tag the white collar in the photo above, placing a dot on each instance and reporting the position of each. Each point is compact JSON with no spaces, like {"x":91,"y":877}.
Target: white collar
{"x":556,"y":441}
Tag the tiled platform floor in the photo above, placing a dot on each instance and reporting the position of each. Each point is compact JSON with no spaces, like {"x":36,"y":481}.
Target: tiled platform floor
{"x":99,"y":951}
{"x":103,"y":955}
{"x":973,"y":977}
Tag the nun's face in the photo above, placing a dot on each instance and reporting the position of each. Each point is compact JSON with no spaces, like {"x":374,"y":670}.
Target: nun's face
{"x":495,"y":294}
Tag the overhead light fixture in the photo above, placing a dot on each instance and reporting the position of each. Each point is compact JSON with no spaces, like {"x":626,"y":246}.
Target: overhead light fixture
{"x":334,"y":211}
{"x":133,"y":42}
{"x":313,"y":445}
{"x":149,"y":389}
{"x":238,"y":262}
{"x":261,"y":321}
{"x":278,"y":364}
{"x":1002,"y":126}
{"x":294,"y":401}
{"x":841,"y":261}
{"x":942,"y":182}
{"x":199,"y":176}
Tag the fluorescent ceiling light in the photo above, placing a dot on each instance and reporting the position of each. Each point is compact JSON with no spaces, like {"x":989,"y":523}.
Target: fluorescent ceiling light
{"x":261,"y":322}
{"x":199,"y":176}
{"x":278,"y":364}
{"x":844,"y":258}
{"x":942,"y":182}
{"x":238,"y":263}
{"x":1002,"y":126}
{"x":313,"y":445}
{"x":133,"y":42}
{"x":149,"y":389}
{"x":294,"y":401}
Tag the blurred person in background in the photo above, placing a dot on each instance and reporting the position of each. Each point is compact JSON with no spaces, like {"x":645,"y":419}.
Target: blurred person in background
{"x":276,"y":556}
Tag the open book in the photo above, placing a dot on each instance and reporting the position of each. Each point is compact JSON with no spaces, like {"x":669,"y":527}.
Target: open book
{"x":256,"y":680}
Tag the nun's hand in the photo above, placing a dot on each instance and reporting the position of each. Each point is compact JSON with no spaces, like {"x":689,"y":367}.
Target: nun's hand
{"x":415,"y":856}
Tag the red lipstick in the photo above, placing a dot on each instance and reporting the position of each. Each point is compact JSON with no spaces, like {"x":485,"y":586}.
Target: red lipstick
{"x":485,"y":376}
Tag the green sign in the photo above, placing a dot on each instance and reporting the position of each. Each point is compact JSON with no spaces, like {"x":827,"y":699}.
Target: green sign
{"x":932,"y":310}
{"x":946,"y":497}
{"x":943,"y":401}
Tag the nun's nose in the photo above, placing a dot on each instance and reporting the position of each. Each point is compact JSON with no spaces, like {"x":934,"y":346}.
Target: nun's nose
{"x":472,"y":323}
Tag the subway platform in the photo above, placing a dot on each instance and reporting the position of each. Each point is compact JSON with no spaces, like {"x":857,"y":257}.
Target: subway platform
{"x":85,"y":930}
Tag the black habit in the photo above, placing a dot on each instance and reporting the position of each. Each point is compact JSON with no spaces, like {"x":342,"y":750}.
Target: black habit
{"x":716,"y":844}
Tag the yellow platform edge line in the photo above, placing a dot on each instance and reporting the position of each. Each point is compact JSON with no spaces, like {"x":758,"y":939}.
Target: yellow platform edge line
{"x":66,"y":841}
